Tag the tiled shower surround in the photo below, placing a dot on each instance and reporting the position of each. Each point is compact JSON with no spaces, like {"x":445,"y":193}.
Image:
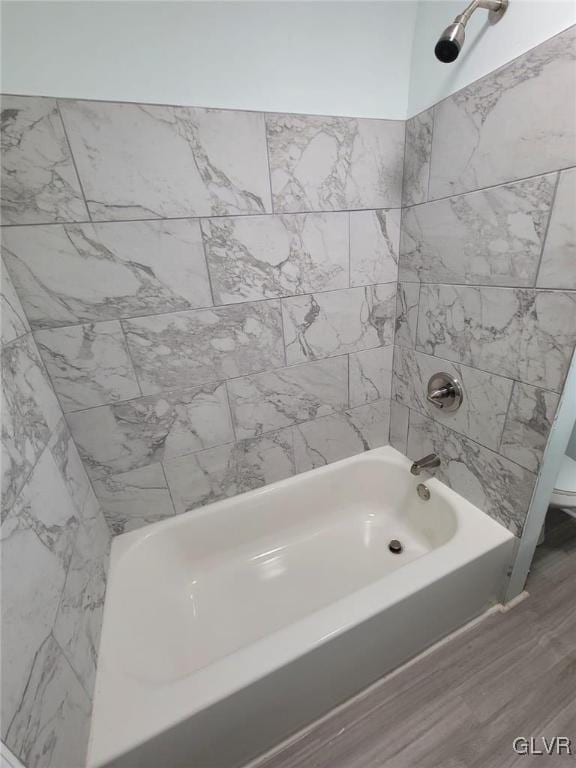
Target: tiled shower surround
{"x":221,"y":299}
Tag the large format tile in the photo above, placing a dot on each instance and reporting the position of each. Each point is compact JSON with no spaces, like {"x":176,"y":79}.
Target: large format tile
{"x":259,"y":257}
{"x":120,"y":437}
{"x":89,"y":365}
{"x":399,"y":416}
{"x":221,"y":472}
{"x":30,"y":412}
{"x":528,"y":423}
{"x":13,"y":320}
{"x":340,"y":435}
{"x":184,"y":348}
{"x":32,"y":582}
{"x":68,"y":274}
{"x":521,"y":333}
{"x":417,"y":158}
{"x":407,"y":301}
{"x":374,"y":245}
{"x":492,"y":237}
{"x":52,"y":724}
{"x":337,"y":322}
{"x":558,"y":267}
{"x":39,"y":183}
{"x":494,"y":484}
{"x":533,"y":97}
{"x":267,"y":401}
{"x":334,"y":163}
{"x":132,"y":499}
{"x":149,"y":162}
{"x":370,"y":375}
{"x":483,"y":410}
{"x":67,"y":459}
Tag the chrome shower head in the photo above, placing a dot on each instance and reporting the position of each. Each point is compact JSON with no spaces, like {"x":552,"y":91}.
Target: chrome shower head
{"x":451,"y":40}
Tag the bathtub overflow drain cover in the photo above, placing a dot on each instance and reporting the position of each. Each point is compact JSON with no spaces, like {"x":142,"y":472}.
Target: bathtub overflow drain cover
{"x":395,"y":547}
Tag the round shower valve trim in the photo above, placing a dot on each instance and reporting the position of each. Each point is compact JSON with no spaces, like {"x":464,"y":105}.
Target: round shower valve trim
{"x":445,"y":392}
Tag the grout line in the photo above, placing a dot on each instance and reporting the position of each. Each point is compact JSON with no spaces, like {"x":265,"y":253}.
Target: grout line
{"x":266,"y":144}
{"x":161,"y":462}
{"x":61,"y":116}
{"x":230,"y":411}
{"x":512,"y":388}
{"x":206,"y":263}
{"x":430,"y":155}
{"x":548,"y":223}
{"x":129,"y":353}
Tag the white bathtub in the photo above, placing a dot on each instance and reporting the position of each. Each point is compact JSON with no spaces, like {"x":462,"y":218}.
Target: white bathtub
{"x":230,"y":627}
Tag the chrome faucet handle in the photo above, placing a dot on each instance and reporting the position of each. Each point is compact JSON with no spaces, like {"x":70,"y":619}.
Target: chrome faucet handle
{"x":437,"y":395}
{"x":444,"y":391}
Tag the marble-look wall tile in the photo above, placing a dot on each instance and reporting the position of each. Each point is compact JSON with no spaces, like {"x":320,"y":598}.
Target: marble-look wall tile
{"x":88,"y":272}
{"x":32,"y":582}
{"x":268,"y":401}
{"x":13,"y":320}
{"x":88,"y":364}
{"x":132,"y":499}
{"x":260,"y":257}
{"x":120,"y":437}
{"x":340,"y":435}
{"x":528,"y":423}
{"x":407,"y":300}
{"x":486,"y":396}
{"x":138,"y":161}
{"x":374,"y":245}
{"x":334,"y":163}
{"x":218,"y":473}
{"x":521,"y":333}
{"x":496,"y":485}
{"x":558,"y":267}
{"x":469,"y":148}
{"x":417,"y":158}
{"x":52,"y":724}
{"x":491,"y":237}
{"x":370,"y":375}
{"x":399,"y":416}
{"x":79,"y":619}
{"x":39,"y":183}
{"x":67,"y":459}
{"x":184,"y":348}
{"x":30,"y":412}
{"x":337,"y":322}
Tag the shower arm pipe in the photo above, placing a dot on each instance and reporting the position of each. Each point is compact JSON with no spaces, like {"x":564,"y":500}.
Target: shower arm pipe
{"x":488,"y":5}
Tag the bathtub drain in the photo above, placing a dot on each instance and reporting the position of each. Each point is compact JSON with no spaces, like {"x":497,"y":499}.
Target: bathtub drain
{"x":395,"y":547}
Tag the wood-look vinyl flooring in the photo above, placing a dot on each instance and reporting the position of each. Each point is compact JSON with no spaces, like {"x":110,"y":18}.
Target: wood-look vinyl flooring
{"x":461,"y":706}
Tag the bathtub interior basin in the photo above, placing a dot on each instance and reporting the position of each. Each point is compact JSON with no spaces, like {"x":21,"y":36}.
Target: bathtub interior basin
{"x":202,"y":605}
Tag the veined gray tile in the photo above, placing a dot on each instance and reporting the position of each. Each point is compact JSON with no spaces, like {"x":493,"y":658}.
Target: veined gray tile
{"x":268,"y":401}
{"x":88,"y":364}
{"x":337,"y":322}
{"x":13,"y":320}
{"x":45,"y":505}
{"x":336,"y":437}
{"x":491,"y":237}
{"x":79,"y":619}
{"x":120,"y":437}
{"x":69,"y":463}
{"x":486,"y":395}
{"x":334,"y":163}
{"x":399,"y":416}
{"x":141,"y":161}
{"x":370,"y":375}
{"x":521,"y":333}
{"x":39,"y":183}
{"x":52,"y":724}
{"x":184,"y":348}
{"x":30,"y":412}
{"x":82,"y":272}
{"x":528,"y":423}
{"x":407,"y":314}
{"x":32,"y":582}
{"x":132,"y":499}
{"x":558,"y":267}
{"x":259,"y":257}
{"x":497,"y":486}
{"x":417,"y":158}
{"x":221,"y":472}
{"x":374,"y":245}
{"x":469,"y":148}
